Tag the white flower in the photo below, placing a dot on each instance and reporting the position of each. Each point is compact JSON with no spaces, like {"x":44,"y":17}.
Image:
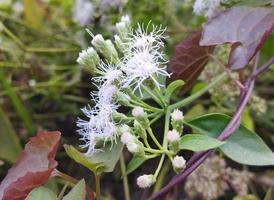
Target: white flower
{"x":143,"y":39}
{"x":177,"y":115}
{"x":82,"y":12}
{"x":104,"y":96}
{"x":179,"y":162}
{"x":109,"y":73}
{"x":145,"y":180}
{"x":140,"y":66}
{"x":173,"y":136}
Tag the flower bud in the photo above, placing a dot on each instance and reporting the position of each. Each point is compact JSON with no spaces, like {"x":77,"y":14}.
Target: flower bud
{"x":133,"y":145}
{"x":177,"y":115}
{"x":122,"y":98}
{"x":173,"y":136}
{"x":138,"y":112}
{"x":126,"y":20}
{"x":139,"y":129}
{"x":124,"y":27}
{"x":88,"y":58}
{"x":177,"y":119}
{"x":119,"y":117}
{"x":113,"y":55}
{"x":119,"y":44}
{"x":178,"y":163}
{"x":145,"y":180}
{"x":98,"y":40}
{"x":127,"y":137}
{"x":106,"y":48}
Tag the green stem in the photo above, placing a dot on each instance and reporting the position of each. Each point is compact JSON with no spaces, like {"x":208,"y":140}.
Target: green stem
{"x":167,"y":119}
{"x":12,"y":36}
{"x":50,"y":50}
{"x":97,"y":185}
{"x":125,"y":180}
{"x":149,"y":130}
{"x":153,"y":96}
{"x":198,"y":94}
{"x":156,"y":118}
{"x":159,"y":166}
{"x":139,"y":102}
{"x":161,"y":177}
{"x":153,"y":151}
{"x":146,"y":143}
{"x":146,"y":106}
{"x":160,"y":96}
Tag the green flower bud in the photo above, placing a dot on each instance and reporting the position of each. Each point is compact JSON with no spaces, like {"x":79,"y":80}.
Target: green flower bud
{"x":113,"y":54}
{"x":106,"y":48}
{"x":178,"y":163}
{"x":124,"y":27}
{"x":122,"y":98}
{"x":139,"y":113}
{"x":177,"y":119}
{"x":88,"y":58}
{"x":139,"y":129}
{"x":120,"y":117}
{"x":119,"y":44}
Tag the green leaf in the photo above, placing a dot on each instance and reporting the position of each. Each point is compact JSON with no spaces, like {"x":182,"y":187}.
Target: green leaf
{"x":41,"y":193}
{"x":198,"y":142}
{"x":243,"y":146}
{"x":135,"y":162}
{"x":172,"y":87}
{"x":196,"y":110}
{"x":197,"y":87}
{"x":80,"y":158}
{"x":10,"y":144}
{"x":34,"y":12}
{"x":78,"y":192}
{"x":101,"y":161}
{"x":17,"y":103}
{"x":247,"y":120}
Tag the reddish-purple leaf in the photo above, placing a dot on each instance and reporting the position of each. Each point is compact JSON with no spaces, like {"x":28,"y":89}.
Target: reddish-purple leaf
{"x":32,"y":168}
{"x":189,"y":59}
{"x":246,"y":28}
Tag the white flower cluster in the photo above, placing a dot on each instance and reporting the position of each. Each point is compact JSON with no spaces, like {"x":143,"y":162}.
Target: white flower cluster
{"x":83,"y":12}
{"x":207,"y":7}
{"x":141,"y":60}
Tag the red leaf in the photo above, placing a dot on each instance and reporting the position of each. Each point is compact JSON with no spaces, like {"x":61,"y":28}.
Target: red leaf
{"x":245,"y":27}
{"x":32,"y":168}
{"x":189,"y":59}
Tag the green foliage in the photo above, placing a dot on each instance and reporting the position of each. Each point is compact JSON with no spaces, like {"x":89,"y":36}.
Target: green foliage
{"x":10,"y":145}
{"x":198,"y":142}
{"x":244,"y":146}
{"x":41,"y":193}
{"x":172,"y":87}
{"x":78,"y":192}
{"x":100,"y":161}
{"x":135,"y":162}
